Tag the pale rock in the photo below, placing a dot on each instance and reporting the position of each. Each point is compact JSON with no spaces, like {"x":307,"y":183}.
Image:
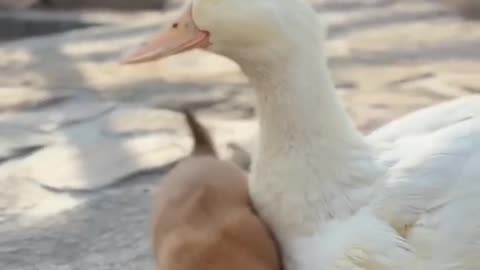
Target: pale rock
{"x":107,"y":4}
{"x":18,"y":98}
{"x":98,"y":163}
{"x":468,"y":8}
{"x":17,"y":4}
{"x":15,"y":142}
{"x":51,"y":118}
{"x":128,"y":120}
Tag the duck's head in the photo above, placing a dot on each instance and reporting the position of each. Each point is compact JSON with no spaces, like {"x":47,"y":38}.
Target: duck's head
{"x":239,"y":29}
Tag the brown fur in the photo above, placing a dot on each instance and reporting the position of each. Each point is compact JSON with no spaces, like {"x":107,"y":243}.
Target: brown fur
{"x":203,"y":219}
{"x":203,"y":144}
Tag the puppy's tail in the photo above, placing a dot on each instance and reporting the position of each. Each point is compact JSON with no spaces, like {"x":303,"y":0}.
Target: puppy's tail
{"x":203,"y":143}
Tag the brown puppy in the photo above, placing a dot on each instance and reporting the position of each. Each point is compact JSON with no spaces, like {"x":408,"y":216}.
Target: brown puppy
{"x":203,"y":219}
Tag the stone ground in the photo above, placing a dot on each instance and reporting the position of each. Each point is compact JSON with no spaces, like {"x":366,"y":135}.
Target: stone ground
{"x":83,"y":4}
{"x":83,"y":141}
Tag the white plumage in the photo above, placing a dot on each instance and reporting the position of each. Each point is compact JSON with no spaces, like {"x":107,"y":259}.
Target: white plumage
{"x":432,"y":192}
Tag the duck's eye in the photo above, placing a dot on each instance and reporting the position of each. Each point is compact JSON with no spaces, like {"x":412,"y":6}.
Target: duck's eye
{"x":175,"y":25}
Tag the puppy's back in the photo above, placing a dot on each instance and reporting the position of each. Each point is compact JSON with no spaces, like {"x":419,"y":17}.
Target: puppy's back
{"x":203,"y":219}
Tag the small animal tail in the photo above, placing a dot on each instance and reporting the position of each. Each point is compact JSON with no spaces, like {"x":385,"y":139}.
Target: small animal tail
{"x":203,"y":143}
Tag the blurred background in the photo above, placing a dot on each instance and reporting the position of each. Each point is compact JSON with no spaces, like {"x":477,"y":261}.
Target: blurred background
{"x":83,"y":141}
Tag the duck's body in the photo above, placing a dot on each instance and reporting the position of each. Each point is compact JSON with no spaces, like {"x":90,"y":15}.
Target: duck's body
{"x":313,"y":172}
{"x":425,"y":184}
{"x":402,"y":198}
{"x":400,"y":194}
{"x":317,"y":181}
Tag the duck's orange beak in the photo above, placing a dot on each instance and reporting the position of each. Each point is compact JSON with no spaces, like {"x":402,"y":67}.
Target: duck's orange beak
{"x":182,"y":35}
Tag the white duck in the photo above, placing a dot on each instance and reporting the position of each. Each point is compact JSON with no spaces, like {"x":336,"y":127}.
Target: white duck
{"x":407,"y":197}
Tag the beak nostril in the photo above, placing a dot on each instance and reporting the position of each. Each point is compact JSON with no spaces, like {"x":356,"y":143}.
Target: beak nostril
{"x":180,"y":36}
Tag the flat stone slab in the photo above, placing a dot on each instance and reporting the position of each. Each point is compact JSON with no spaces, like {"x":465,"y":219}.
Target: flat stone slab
{"x":50,"y":118}
{"x":16,"y":142}
{"x":24,"y":98}
{"x":16,"y":4}
{"x":98,"y":163}
{"x":97,"y":146}
{"x":45,"y":230}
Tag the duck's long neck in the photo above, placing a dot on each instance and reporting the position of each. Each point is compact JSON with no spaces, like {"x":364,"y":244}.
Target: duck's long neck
{"x":297,"y":104}
{"x":311,"y":161}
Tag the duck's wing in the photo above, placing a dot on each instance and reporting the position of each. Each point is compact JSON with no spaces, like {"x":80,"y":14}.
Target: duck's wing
{"x":365,"y":242}
{"x":428,"y":120}
{"x":431,"y":194}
